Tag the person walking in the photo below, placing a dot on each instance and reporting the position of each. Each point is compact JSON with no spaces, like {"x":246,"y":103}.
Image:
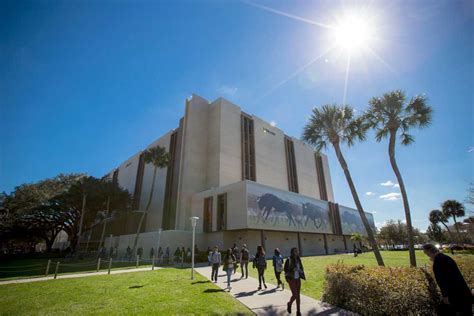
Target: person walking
{"x":229,"y":261}
{"x":244,"y":261}
{"x":294,"y":272}
{"x":278,"y":267}
{"x":260,"y":263}
{"x":457,"y":297}
{"x":235,"y":252}
{"x":215,"y":261}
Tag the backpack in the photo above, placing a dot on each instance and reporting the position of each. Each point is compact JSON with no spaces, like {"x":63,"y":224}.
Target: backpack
{"x":245,"y":254}
{"x":279,"y":264}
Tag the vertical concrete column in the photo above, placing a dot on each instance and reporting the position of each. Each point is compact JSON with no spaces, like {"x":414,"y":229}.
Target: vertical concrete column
{"x":345,"y":244}
{"x":262,"y":238}
{"x":325,"y":244}
{"x":300,"y":246}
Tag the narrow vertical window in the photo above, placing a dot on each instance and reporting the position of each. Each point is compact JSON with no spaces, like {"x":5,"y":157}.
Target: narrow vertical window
{"x":169,"y":211}
{"x":248,"y":147}
{"x":207,"y":215}
{"x":222,"y":212}
{"x":321,"y":179}
{"x":138,"y":182}
{"x":115,"y":176}
{"x":291,"y":165}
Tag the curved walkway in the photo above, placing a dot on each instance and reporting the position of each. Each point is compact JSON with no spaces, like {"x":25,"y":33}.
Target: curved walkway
{"x":271,"y":301}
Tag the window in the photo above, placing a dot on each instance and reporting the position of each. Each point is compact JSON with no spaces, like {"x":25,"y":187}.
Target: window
{"x":169,"y":208}
{"x":323,"y":195}
{"x":207,"y":215}
{"x":222,"y":212}
{"x":291,"y":165}
{"x":115,"y":176}
{"x":138,"y":182}
{"x":248,"y":147}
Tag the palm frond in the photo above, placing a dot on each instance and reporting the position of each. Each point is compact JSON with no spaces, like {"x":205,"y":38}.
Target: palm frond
{"x":407,"y":139}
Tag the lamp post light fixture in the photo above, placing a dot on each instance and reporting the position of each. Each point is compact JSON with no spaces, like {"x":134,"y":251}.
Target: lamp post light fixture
{"x":194,"y":220}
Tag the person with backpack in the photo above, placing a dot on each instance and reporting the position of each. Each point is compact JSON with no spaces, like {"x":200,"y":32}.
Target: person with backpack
{"x":294,"y":272}
{"x":235,"y":252}
{"x":244,"y":261}
{"x":228,"y":265}
{"x":215,"y":261}
{"x":260,"y":263}
{"x":278,"y":267}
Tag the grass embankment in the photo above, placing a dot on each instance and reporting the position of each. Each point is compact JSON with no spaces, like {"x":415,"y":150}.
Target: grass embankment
{"x":315,"y":267}
{"x":160,"y":292}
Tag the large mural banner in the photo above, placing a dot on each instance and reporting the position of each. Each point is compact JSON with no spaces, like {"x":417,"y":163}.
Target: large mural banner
{"x":351,"y":221}
{"x":277,"y":210}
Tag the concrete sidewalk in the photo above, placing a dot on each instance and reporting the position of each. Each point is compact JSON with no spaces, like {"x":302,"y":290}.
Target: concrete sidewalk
{"x":75,"y":275}
{"x":271,"y":301}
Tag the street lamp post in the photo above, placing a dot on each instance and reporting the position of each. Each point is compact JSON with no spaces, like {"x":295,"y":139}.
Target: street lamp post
{"x":158,"y":245}
{"x":194,"y":220}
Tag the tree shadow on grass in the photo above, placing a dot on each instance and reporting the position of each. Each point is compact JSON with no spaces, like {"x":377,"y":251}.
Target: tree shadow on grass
{"x":136,"y":286}
{"x":213,"y":290}
{"x":199,"y":282}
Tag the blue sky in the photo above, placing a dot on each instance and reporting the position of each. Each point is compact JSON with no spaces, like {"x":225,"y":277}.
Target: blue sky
{"x":84,"y":85}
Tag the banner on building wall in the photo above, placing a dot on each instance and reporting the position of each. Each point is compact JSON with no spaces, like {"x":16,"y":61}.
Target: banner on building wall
{"x":272,"y":209}
{"x":351,"y":221}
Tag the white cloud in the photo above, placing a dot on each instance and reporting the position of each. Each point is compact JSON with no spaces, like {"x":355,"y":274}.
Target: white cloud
{"x":227,"y":90}
{"x":369,"y":193}
{"x":387,"y":183}
{"x":470,"y":150}
{"x":273,"y":123}
{"x":390,"y":196}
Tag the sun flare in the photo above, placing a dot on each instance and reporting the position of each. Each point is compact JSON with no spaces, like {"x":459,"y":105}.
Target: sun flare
{"x":353,"y":33}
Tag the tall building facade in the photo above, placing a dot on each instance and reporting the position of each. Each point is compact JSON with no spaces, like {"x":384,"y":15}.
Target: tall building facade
{"x":246,"y":180}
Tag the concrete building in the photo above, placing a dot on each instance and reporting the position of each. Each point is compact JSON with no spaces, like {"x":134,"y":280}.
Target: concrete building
{"x":245,"y":179}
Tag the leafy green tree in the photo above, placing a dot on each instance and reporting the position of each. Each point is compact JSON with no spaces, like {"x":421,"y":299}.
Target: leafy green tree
{"x":391,"y":116}
{"x":435,"y":233}
{"x":336,"y":125}
{"x":159,"y":158}
{"x":437,"y":217}
{"x":453,"y":208}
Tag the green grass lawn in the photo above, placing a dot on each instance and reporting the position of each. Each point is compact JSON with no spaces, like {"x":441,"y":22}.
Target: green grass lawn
{"x":315,"y":267}
{"x":160,"y":292}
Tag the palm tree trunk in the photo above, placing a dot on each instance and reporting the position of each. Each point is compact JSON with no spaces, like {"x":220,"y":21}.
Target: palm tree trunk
{"x":449,"y":231}
{"x":146,"y":210}
{"x":152,"y":189}
{"x":355,"y":196}
{"x":457,"y":228}
{"x":406,"y":206}
{"x":105,"y":224}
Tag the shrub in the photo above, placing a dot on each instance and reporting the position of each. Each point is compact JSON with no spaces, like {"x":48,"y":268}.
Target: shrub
{"x":381,"y":290}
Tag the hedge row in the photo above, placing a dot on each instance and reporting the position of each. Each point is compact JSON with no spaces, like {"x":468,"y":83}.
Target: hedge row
{"x":386,"y":290}
{"x":380,"y":290}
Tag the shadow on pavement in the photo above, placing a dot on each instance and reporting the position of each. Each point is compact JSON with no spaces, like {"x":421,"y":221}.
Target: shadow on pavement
{"x":244,"y":294}
{"x":267,"y":292}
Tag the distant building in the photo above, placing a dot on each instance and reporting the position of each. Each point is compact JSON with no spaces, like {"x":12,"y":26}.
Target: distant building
{"x":245,"y":179}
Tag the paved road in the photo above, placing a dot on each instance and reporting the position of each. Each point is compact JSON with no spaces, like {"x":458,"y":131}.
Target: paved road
{"x":271,"y":301}
{"x":75,"y":275}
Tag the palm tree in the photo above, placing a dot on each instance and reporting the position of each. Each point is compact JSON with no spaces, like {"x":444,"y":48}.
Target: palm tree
{"x":390,"y":115}
{"x":452,"y":208}
{"x":333,"y":124}
{"x":436,"y":217}
{"x":159,"y":158}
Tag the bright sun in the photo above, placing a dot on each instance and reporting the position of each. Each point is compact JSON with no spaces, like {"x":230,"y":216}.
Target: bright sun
{"x":353,"y":33}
